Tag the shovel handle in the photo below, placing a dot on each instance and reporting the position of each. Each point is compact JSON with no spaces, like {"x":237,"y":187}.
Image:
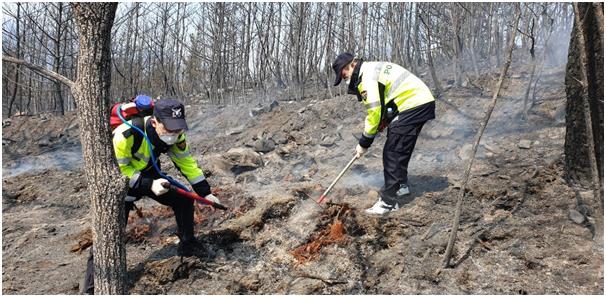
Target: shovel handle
{"x":337,"y":179}
{"x":193,"y":196}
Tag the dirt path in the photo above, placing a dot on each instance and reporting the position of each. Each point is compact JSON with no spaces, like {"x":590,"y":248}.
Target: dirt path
{"x":516,"y":236}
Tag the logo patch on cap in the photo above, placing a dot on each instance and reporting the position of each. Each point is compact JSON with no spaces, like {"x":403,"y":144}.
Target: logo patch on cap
{"x":176,"y":112}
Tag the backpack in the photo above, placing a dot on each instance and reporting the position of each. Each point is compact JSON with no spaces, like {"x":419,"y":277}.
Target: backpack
{"x":135,"y":110}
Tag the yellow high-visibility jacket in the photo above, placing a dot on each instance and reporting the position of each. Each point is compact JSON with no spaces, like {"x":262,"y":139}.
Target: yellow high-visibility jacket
{"x":131,"y":164}
{"x":394,"y":83}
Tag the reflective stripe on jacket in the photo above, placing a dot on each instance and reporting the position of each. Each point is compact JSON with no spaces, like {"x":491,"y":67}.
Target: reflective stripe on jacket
{"x":396,"y":83}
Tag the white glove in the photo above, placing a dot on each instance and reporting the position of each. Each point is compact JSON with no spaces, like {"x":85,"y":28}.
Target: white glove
{"x":158,"y":188}
{"x":360,"y":151}
{"x":212,"y":198}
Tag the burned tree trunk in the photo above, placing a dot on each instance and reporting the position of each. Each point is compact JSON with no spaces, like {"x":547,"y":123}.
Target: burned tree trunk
{"x":92,"y":94}
{"x":18,"y":68}
{"x":57,"y":59}
{"x":531,"y":35}
{"x":436,"y":81}
{"x":584,"y":144}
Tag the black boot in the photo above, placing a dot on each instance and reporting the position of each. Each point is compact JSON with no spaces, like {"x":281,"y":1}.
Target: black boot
{"x":189,"y":247}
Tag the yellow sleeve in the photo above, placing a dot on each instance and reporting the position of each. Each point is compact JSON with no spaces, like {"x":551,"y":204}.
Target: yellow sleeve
{"x":122,"y":147}
{"x":372,"y":100}
{"x":180,"y":155}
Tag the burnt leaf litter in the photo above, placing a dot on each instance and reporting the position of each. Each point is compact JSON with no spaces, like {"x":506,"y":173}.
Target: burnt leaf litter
{"x":520,"y":232}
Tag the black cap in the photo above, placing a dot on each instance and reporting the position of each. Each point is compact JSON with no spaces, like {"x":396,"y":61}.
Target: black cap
{"x":340,"y":62}
{"x":171,"y":114}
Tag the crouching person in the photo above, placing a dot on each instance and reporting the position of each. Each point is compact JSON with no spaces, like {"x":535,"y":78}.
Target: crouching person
{"x":165,"y":130}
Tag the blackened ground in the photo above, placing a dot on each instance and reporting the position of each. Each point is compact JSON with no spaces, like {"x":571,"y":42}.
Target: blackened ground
{"x":517,"y":233}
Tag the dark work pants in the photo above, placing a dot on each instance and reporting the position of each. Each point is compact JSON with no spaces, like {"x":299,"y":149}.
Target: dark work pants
{"x":397,"y":151}
{"x":183,"y":208}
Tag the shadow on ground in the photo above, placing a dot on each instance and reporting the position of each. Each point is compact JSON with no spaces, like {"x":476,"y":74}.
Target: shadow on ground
{"x":421,"y":184}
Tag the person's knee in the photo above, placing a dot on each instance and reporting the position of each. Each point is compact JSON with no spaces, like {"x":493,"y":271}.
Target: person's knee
{"x":183,"y":205}
{"x":187,"y":204}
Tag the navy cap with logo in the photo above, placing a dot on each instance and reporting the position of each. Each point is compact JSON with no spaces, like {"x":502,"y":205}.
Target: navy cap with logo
{"x":171,"y":114}
{"x":340,"y":62}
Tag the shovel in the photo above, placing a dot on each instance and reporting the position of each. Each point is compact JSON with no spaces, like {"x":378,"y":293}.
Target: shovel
{"x":336,"y":180}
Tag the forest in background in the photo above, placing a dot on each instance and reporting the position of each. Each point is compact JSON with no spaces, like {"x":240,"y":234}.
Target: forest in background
{"x":234,"y":53}
{"x":530,"y":211}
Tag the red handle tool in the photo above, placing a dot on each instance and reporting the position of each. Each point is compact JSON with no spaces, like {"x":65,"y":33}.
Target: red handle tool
{"x":194,"y":196}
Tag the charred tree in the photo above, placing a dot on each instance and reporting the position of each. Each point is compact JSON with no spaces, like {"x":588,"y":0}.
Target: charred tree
{"x":222,"y":49}
{"x":18,"y":68}
{"x":531,"y":36}
{"x":436,"y":81}
{"x":584,"y":143}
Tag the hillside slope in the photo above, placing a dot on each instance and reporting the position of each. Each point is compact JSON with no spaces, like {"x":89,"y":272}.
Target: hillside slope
{"x":517,"y":236}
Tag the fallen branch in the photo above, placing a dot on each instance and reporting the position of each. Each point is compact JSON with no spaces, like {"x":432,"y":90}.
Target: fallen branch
{"x":433,"y":230}
{"x":324,"y":280}
{"x":483,"y":231}
{"x":455,"y":222}
{"x":50,"y":74}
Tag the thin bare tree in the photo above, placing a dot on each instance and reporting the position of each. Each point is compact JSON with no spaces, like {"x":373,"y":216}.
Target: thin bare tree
{"x":478,"y":136}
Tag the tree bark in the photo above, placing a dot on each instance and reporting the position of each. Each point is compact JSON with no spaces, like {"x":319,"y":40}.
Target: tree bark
{"x":434,"y":76}
{"x":18,"y":68}
{"x":92,"y":94}
{"x":456,"y":17}
{"x":57,"y":57}
{"x":363,"y":28}
{"x":532,"y":72}
{"x":328,"y":54}
{"x":584,"y":143}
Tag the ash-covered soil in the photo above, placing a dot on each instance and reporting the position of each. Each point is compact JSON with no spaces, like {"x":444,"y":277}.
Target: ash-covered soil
{"x":521,"y":229}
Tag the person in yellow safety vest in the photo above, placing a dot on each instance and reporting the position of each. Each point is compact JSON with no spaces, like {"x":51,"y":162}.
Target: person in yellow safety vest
{"x":166,"y":132}
{"x":396,"y":99}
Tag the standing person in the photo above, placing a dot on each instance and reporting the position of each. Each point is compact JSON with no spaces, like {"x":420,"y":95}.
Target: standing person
{"x":166,"y":132}
{"x":395,"y":99}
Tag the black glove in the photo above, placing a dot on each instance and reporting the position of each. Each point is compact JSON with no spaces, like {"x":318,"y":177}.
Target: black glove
{"x":202,"y":188}
{"x":144,"y":183}
{"x":365,"y":142}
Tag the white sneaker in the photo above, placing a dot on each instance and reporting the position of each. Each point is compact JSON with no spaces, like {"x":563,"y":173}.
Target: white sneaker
{"x":381,"y":207}
{"x":404,"y":190}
